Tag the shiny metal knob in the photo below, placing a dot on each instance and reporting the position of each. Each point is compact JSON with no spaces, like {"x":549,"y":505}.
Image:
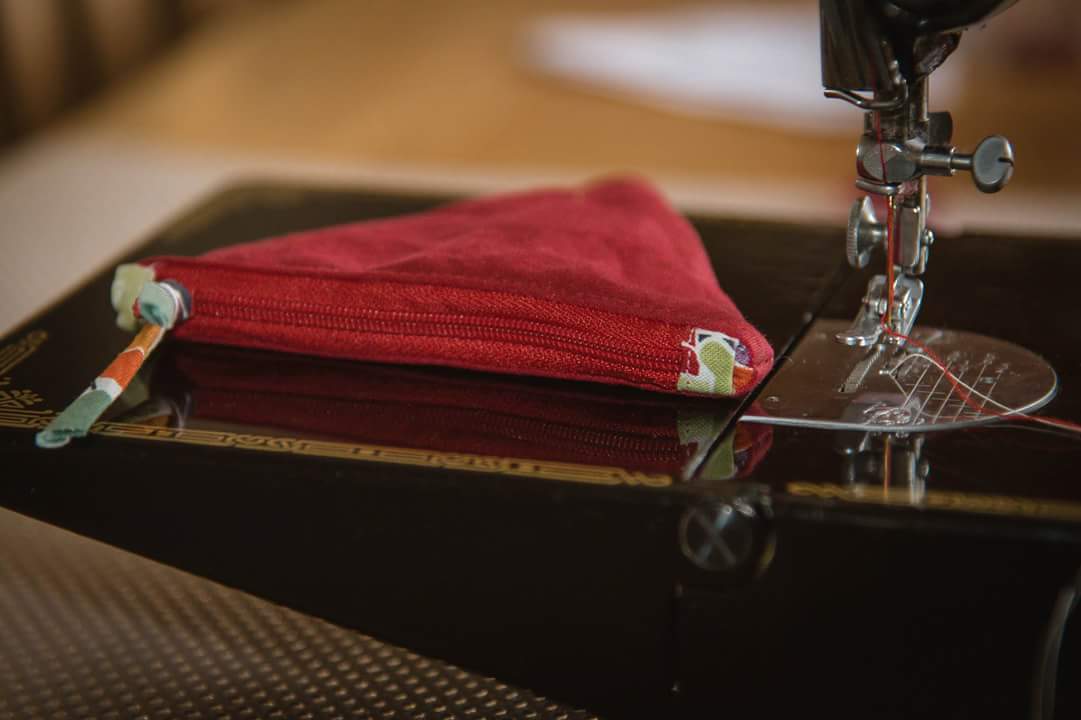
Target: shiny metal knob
{"x":991,"y":164}
{"x":864,"y":233}
{"x":722,"y":537}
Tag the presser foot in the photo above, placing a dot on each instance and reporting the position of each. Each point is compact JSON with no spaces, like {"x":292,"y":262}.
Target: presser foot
{"x":866,"y":330}
{"x":947,"y":379}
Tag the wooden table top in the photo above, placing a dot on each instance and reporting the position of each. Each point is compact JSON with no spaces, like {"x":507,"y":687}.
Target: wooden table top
{"x":443,"y":84}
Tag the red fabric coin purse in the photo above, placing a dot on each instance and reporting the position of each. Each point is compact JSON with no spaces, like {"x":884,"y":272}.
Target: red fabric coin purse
{"x":605,"y":283}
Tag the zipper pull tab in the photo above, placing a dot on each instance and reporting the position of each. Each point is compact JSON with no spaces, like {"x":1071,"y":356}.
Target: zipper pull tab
{"x":162,"y":305}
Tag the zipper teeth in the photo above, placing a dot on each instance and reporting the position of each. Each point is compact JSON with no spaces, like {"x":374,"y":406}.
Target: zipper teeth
{"x":521,"y":332}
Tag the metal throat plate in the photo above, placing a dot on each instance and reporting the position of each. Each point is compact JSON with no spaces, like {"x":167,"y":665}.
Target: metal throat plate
{"x":899,"y":388}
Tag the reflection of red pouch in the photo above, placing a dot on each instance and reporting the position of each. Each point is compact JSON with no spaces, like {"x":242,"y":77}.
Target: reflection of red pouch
{"x":606,"y":283}
{"x":455,"y":412}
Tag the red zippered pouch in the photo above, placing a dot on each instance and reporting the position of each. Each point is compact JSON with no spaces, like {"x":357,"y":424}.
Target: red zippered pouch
{"x":606,"y":283}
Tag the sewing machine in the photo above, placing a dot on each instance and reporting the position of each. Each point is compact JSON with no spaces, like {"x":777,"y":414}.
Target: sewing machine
{"x":890,"y":49}
{"x":815,"y":548}
{"x":879,"y":57}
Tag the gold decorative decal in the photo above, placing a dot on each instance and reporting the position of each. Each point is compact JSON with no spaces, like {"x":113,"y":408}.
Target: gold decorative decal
{"x":17,"y":399}
{"x":26,"y":419}
{"x":545,"y":469}
{"x":16,"y":412}
{"x":14,"y":353}
{"x":16,"y":403}
{"x":940,"y":500}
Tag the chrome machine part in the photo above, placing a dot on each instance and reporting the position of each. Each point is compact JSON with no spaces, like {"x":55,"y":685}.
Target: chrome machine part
{"x":900,"y":389}
{"x":727,"y":535}
{"x":991,"y":164}
{"x":889,"y":48}
{"x":864,"y":234}
{"x":885,"y":460}
{"x":718,"y":537}
{"x":867,"y":330}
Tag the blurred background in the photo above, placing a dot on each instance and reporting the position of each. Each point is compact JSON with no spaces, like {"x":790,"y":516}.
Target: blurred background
{"x":117,"y":114}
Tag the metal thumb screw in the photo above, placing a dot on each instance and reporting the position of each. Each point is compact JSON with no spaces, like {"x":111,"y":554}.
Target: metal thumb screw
{"x":991,"y":164}
{"x":864,"y":233}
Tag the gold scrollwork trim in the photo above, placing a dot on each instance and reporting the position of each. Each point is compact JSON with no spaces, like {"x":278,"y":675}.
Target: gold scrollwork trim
{"x":940,"y":500}
{"x":545,"y":469}
{"x":14,"y":353}
{"x":25,"y":419}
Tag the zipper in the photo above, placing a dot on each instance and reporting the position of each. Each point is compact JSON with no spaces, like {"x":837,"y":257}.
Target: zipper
{"x":532,"y":333}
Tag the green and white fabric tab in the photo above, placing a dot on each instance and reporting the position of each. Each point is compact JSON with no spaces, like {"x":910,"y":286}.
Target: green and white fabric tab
{"x":162,"y":305}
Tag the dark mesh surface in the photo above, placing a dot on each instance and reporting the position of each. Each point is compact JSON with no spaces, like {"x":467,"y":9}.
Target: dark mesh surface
{"x":88,"y":631}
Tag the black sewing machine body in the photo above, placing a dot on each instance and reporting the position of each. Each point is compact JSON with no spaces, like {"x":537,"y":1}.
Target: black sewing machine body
{"x":632,"y":554}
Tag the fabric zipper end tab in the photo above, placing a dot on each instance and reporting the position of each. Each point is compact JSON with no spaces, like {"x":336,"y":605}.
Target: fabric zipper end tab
{"x":77,"y":419}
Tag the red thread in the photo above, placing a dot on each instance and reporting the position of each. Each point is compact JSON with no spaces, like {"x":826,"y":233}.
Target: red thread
{"x":889,"y":224}
{"x":958,"y":387}
{"x":966,"y":395}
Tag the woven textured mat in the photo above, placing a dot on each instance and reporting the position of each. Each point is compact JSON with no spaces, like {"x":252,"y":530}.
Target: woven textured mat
{"x":89,"y":631}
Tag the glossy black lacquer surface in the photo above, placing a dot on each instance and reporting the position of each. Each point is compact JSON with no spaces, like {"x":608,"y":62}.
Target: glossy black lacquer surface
{"x":563,"y":536}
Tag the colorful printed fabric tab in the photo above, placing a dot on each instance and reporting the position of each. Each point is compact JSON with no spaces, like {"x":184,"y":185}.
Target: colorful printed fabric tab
{"x":84,"y":411}
{"x":714,"y":364}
